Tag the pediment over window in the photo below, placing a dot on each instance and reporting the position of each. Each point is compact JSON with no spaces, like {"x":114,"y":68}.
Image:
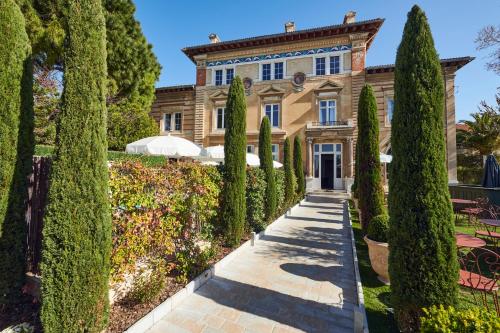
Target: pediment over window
{"x":270,"y":91}
{"x":328,"y":87}
{"x":219,"y":95}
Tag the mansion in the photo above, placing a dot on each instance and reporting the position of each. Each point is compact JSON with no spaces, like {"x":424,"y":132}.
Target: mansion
{"x":308,"y":83}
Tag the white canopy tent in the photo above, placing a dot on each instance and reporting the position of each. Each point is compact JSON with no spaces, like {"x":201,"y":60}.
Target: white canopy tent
{"x":166,"y":145}
{"x":216,"y":154}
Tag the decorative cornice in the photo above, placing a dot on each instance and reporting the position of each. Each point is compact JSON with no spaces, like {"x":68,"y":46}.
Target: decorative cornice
{"x":263,"y":57}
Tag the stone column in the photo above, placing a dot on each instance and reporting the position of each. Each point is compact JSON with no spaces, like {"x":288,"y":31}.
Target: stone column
{"x":350,"y":158}
{"x":309,"y":158}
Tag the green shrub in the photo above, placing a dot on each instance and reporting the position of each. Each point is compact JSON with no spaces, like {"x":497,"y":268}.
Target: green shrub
{"x":192,"y":261}
{"x":16,"y":147}
{"x":77,"y":225}
{"x":266,"y":164}
{"x":149,"y":285}
{"x":369,"y":177}
{"x":290,"y":179}
{"x":256,"y":193}
{"x":281,"y":206}
{"x":450,"y":320}
{"x":423,"y":261}
{"x":378,"y":228}
{"x":234,"y":198}
{"x":299,"y":167}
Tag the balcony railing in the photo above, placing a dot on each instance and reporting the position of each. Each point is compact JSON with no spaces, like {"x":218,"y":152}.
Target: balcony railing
{"x":330,"y":123}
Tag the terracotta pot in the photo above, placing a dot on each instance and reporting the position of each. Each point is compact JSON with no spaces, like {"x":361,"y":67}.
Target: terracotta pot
{"x":379,"y":258}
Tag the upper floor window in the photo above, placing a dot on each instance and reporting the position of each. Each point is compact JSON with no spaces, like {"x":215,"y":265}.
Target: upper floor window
{"x":266,"y":72}
{"x":229,"y":75}
{"x":273,"y":113}
{"x":334,"y":65}
{"x":275,"y":149}
{"x":172,"y":122}
{"x":218,"y":77}
{"x":221,"y":119}
{"x":327,"y":111}
{"x":320,"y":66}
{"x":390,"y":109}
{"x":272,"y":71}
{"x":278,"y":70}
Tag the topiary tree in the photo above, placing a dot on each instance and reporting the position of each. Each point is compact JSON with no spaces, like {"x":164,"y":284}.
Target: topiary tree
{"x":16,"y":147}
{"x":422,"y":261}
{"x":234,"y":199}
{"x":289,"y":176}
{"x":298,"y":166}
{"x":266,"y":164}
{"x":77,"y":225}
{"x":369,"y":186}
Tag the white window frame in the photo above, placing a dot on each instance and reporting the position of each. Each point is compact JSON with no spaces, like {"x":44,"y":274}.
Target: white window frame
{"x":224,"y":74}
{"x":327,"y":100}
{"x":272,"y":63}
{"x":276,"y":154}
{"x":216,"y":118}
{"x":172,"y":121}
{"x":327,"y":56}
{"x":271,"y":120}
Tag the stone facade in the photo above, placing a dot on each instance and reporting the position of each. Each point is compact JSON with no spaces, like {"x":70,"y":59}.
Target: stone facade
{"x":298,"y":103}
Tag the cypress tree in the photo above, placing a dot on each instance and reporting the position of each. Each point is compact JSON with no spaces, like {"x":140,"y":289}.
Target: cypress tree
{"x":16,"y":147}
{"x":354,"y":188}
{"x":234,"y":196}
{"x":369,"y":187}
{"x":266,"y":164}
{"x":298,"y":166}
{"x":422,"y":261}
{"x":289,"y":176}
{"x":77,"y":226}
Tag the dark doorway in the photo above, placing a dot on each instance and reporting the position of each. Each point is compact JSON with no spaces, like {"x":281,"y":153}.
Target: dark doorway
{"x":327,"y":171}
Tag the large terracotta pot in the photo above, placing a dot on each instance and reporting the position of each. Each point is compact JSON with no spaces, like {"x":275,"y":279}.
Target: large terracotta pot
{"x":379,"y":258}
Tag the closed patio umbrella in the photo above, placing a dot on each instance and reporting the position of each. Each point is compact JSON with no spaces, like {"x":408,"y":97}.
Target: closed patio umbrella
{"x":491,"y":177}
{"x":167,"y":145}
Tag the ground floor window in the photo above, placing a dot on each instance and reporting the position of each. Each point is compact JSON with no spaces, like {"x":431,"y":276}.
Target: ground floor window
{"x":172,"y":121}
{"x":275,"y":148}
{"x":221,"y":119}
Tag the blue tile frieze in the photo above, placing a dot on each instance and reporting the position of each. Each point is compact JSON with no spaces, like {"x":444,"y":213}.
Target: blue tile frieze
{"x":263,"y":57}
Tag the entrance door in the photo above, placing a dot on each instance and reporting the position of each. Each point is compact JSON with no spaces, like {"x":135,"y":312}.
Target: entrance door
{"x":327,"y":170}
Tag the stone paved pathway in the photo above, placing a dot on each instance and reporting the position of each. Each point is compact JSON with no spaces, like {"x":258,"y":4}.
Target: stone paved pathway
{"x":298,"y":278}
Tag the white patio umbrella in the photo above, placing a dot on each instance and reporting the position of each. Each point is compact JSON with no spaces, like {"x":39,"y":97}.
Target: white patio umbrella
{"x":167,"y":145}
{"x":253,"y":160}
{"x":384,"y":158}
{"x":216,"y":153}
{"x":277,"y":164}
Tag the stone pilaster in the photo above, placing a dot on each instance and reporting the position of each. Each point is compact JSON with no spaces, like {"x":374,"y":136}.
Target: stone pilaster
{"x":309,"y":157}
{"x":450,"y":126}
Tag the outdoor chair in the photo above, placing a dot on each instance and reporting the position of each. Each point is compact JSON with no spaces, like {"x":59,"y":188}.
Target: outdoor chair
{"x":485,"y":210}
{"x":479,"y":272}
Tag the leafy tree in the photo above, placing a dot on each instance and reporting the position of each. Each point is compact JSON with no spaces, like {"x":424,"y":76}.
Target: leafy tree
{"x":371,"y":193}
{"x":422,"y":261}
{"x":289,"y":176}
{"x":47,"y":99}
{"x":489,"y":37}
{"x":77,"y":225}
{"x":16,"y":147}
{"x":266,"y":164}
{"x":234,"y":197}
{"x":298,"y":166}
{"x":483,"y":132}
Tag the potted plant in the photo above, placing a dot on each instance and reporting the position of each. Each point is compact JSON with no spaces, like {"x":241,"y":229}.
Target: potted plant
{"x":378,"y":249}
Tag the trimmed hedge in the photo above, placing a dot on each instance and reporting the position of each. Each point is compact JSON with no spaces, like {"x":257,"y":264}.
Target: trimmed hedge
{"x":266,"y":164}
{"x":450,"y":320}
{"x":77,"y":224}
{"x":234,"y":207}
{"x":369,"y":177}
{"x":423,"y":261}
{"x":378,"y":228}
{"x":298,"y":166}
{"x":16,"y":147}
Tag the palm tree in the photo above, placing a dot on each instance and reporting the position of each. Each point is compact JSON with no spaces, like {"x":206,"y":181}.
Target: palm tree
{"x":483,"y":132}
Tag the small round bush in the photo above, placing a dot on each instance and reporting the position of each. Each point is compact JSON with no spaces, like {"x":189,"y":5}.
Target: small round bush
{"x":441,"y":319}
{"x":378,"y":227}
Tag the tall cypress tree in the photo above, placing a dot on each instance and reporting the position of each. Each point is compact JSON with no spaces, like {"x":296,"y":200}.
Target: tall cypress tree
{"x":298,"y":166}
{"x":369,"y":186}
{"x":354,"y":187}
{"x":266,"y":164}
{"x":289,"y":176}
{"x":16,"y":146}
{"x":77,"y":226}
{"x":235,"y":142}
{"x":422,"y":261}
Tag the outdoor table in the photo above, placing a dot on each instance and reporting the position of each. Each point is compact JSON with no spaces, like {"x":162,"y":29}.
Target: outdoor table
{"x":463,"y":202}
{"x":490,"y":222}
{"x":464,"y":240}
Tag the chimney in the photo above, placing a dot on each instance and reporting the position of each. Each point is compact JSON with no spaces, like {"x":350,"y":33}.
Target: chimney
{"x":289,"y":26}
{"x":350,"y":17}
{"x":213,"y":38}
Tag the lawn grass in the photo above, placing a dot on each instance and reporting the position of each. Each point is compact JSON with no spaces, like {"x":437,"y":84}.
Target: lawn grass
{"x":377,"y":295}
{"x":114,"y":156}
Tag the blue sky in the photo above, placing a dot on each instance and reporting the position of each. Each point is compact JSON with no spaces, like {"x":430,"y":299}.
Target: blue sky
{"x":170,"y":25}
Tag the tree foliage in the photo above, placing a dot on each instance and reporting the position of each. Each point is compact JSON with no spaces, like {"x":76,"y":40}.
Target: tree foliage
{"x":16,"y":147}
{"x":77,"y":225}
{"x":483,"y":132}
{"x":234,"y":198}
{"x":489,"y":37}
{"x":266,"y":164}
{"x":298,"y":166}
{"x":422,"y":260}
{"x":290,"y":186}
{"x":369,"y":184}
